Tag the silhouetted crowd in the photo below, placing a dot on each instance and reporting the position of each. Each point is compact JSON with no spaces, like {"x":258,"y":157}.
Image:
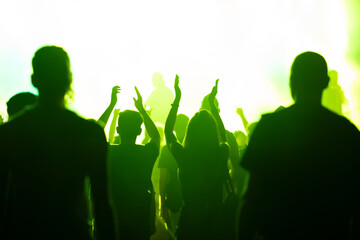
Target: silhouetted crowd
{"x":294,"y":174}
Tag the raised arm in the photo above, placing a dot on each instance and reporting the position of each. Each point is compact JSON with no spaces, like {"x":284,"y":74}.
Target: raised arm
{"x":113,"y":125}
{"x":170,"y":121}
{"x":149,"y":124}
{"x":215,"y":112}
{"x":240,"y":112}
{"x":105,"y":116}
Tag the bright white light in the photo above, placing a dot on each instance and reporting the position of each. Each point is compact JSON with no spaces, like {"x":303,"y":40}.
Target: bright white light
{"x":249,"y":45}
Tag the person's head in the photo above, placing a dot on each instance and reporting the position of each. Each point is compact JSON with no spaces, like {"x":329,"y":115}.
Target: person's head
{"x":241,"y":138}
{"x":129,"y":124}
{"x":333,"y":78}
{"x":19,"y":102}
{"x":51,"y":72}
{"x":202,"y":132}
{"x":309,"y":76}
{"x":206,"y":106}
{"x":180,"y":126}
{"x":157,"y":80}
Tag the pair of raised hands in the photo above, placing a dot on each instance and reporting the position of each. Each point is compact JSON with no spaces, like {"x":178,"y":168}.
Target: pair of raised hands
{"x":178,"y":91}
{"x":138,"y":102}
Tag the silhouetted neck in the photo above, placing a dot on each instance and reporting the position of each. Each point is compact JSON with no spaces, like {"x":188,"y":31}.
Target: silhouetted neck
{"x":309,"y":100}
{"x":51,"y":103}
{"x":129,"y":141}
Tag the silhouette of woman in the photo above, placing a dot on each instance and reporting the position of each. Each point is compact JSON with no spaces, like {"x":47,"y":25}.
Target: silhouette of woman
{"x":202,"y":163}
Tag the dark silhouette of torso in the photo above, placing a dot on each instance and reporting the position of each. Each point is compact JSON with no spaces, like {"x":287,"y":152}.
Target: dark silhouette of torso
{"x":49,"y":153}
{"x":131,"y":188}
{"x":202,"y":175}
{"x":304,"y":165}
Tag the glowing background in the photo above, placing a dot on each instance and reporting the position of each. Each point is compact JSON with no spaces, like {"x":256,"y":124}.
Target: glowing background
{"x":249,"y":45}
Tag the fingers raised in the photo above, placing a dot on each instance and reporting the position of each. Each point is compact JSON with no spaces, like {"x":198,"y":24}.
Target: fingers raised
{"x":138,"y":93}
{"x":176,"y":81}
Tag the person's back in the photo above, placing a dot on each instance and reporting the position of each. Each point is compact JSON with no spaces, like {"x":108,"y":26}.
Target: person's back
{"x":50,"y":153}
{"x":303,"y":167}
{"x":131,"y":187}
{"x":305,"y":173}
{"x":202,"y":176}
{"x":47,"y":153}
{"x":130,"y":168}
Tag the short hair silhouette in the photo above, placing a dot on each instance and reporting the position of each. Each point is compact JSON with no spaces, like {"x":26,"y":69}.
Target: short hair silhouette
{"x":51,"y":71}
{"x":47,"y":176}
{"x":19,"y":101}
{"x":129,"y":123}
{"x":296,"y":162}
{"x":309,"y":74}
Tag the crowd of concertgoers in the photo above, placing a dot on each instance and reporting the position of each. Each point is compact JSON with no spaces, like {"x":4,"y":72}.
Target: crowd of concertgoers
{"x":292,"y":175}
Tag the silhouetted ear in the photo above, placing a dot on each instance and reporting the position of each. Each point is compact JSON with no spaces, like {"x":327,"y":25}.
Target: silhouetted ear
{"x":34,"y":81}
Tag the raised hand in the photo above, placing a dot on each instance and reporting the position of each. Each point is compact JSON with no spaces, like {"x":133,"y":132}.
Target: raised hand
{"x":213,"y":92}
{"x":239,"y":111}
{"x":171,"y":118}
{"x":114,"y":92}
{"x":106,"y":114}
{"x":177,"y":90}
{"x":138,"y":102}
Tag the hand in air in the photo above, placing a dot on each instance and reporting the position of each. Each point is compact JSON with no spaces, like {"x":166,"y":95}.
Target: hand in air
{"x":213,"y":92}
{"x":138,"y":102}
{"x":114,"y":92}
{"x":239,"y":111}
{"x":177,"y":88}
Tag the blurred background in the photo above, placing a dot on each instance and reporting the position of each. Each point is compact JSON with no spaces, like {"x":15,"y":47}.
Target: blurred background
{"x":248,"y":45}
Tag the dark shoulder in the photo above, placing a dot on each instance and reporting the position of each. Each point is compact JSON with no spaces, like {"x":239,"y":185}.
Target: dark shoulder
{"x":151,"y":148}
{"x":338,"y":123}
{"x":337,"y":118}
{"x":58,"y":120}
{"x":278,"y":115}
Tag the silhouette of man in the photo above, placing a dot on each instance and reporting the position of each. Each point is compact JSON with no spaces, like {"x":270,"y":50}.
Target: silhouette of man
{"x":130,"y":174}
{"x":304,"y":182}
{"x":160,"y":99}
{"x":333,"y":96}
{"x":47,"y":153}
